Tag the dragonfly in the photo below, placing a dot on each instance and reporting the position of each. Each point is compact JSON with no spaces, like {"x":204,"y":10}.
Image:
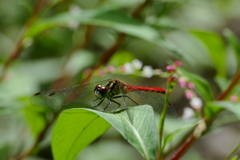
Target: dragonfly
{"x":107,"y":95}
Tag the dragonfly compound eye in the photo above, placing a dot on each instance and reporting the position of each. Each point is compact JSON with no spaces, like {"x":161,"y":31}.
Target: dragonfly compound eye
{"x":100,"y":91}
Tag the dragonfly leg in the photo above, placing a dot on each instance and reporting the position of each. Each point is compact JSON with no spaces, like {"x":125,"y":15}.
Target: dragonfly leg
{"x":97,"y":104}
{"x":126,"y":97}
{"x":109,"y":103}
{"x":128,"y":113}
{"x":116,"y":103}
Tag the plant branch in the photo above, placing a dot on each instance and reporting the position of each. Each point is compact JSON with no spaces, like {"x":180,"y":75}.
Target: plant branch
{"x":233,"y":83}
{"x":19,"y":43}
{"x":109,"y":53}
{"x":161,"y":123}
{"x":192,"y":138}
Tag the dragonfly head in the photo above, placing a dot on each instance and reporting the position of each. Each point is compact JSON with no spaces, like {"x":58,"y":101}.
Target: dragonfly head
{"x":100,"y":91}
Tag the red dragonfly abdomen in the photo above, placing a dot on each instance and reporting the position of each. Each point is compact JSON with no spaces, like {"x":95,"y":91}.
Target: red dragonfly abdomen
{"x":151,"y":89}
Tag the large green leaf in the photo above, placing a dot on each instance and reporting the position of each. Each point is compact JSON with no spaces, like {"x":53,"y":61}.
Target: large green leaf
{"x":211,"y":109}
{"x":101,"y":17}
{"x":235,"y":158}
{"x":222,"y":83}
{"x":116,"y":20}
{"x":230,"y":106}
{"x":76,"y":128}
{"x":173,"y":134}
{"x":216,"y":49}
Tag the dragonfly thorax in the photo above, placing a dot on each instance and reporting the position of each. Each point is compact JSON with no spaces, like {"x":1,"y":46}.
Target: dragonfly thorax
{"x":108,"y":91}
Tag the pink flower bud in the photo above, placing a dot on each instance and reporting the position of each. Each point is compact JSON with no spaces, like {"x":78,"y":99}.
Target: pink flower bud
{"x":190,"y":85}
{"x":233,"y":98}
{"x":101,"y":73}
{"x":171,"y":68}
{"x":178,"y":63}
{"x":87,"y":71}
{"x":189,"y":94}
{"x":182,"y":82}
{"x":111,"y":69}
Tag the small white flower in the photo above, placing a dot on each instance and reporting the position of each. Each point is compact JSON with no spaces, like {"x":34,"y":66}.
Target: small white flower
{"x":128,"y":68}
{"x":137,"y":64}
{"x":147,"y":71}
{"x":74,"y":9}
{"x":187,"y":113}
{"x":196,"y":103}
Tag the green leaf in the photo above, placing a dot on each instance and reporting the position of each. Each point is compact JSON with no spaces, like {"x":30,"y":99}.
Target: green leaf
{"x":232,"y":152}
{"x":5,"y":150}
{"x":235,"y":158}
{"x":116,"y":20}
{"x":234,"y":43}
{"x":222,"y":83}
{"x":117,"y":60}
{"x":170,"y":136}
{"x":216,"y":49}
{"x":76,"y":128}
{"x":142,"y":133}
{"x":201,"y":84}
{"x":211,"y":110}
{"x":230,"y":106}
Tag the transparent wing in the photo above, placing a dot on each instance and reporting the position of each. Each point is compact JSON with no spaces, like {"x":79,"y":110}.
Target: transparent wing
{"x":156,"y":100}
{"x":83,"y":96}
{"x":80,"y":96}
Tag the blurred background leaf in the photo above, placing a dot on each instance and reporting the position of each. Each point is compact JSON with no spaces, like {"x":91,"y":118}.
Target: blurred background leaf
{"x":216,"y":49}
{"x":50,"y":44}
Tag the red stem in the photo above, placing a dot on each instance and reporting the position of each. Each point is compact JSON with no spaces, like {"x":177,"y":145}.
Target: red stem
{"x":192,"y":138}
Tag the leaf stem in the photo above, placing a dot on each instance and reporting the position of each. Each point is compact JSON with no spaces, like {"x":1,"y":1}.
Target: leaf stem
{"x":162,"y":119}
{"x":232,"y":152}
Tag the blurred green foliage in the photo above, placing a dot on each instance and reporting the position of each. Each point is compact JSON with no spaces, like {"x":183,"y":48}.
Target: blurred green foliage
{"x":50,"y":43}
